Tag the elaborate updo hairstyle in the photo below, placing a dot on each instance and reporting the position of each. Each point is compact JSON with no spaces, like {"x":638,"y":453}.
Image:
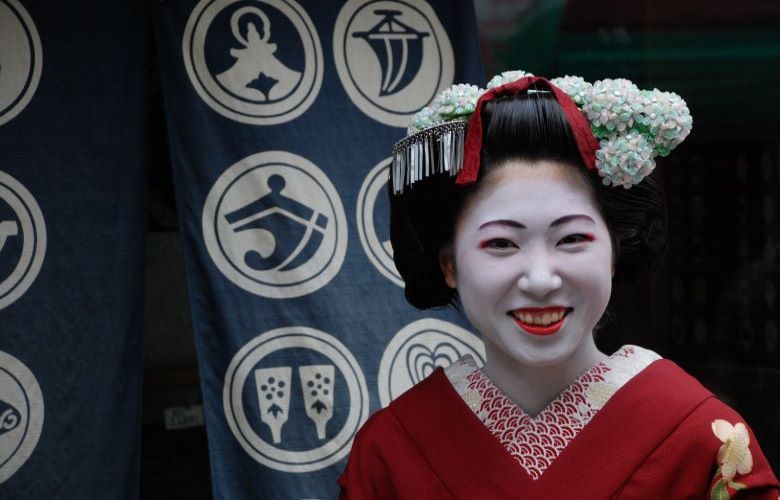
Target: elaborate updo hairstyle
{"x":531,"y":127}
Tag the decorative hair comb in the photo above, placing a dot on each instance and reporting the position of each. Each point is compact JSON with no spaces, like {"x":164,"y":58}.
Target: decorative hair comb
{"x":619,"y":129}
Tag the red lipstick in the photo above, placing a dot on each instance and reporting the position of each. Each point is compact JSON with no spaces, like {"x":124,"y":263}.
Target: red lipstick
{"x":521,"y":316}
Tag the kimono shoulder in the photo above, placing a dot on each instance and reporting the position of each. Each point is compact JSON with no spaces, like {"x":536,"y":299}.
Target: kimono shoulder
{"x":385,"y":461}
{"x":690,"y":461}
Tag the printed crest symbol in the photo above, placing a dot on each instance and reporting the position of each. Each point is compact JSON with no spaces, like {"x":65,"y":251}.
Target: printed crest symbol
{"x":260,"y":63}
{"x":256,"y":63}
{"x":21,"y":59}
{"x":21,"y":414}
{"x":274,"y":225}
{"x":274,"y":210}
{"x":325,"y":403}
{"x":418,"y":349}
{"x":9,"y":417}
{"x":392,"y":57}
{"x":398,"y":48}
{"x":22,"y":239}
{"x":372,"y":215}
{"x":421,"y":360}
{"x":274,"y":397}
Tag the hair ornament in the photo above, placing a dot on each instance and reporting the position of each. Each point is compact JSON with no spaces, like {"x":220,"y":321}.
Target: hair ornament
{"x":624,"y":160}
{"x":619,"y":129}
{"x":432,"y":150}
{"x":507,"y":77}
{"x":434,"y":143}
{"x":634,"y":126}
{"x":456,"y":102}
{"x":578,"y":89}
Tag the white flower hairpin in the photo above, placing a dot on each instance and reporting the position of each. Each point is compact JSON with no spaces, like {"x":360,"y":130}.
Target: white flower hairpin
{"x":632,"y":127}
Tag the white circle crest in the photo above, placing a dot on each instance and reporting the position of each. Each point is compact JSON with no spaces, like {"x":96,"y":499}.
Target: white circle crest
{"x":419,"y":348}
{"x":21,"y":59}
{"x":244,"y":365}
{"x":379,"y":252}
{"x":392,"y":57}
{"x":30,"y":227}
{"x":255,"y":82}
{"x":274,"y":225}
{"x":21,"y":414}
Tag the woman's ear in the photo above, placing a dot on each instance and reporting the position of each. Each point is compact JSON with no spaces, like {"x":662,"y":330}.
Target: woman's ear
{"x":447,"y":265}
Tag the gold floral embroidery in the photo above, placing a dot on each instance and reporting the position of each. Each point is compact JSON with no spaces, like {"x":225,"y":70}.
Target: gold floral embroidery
{"x":734,"y":457}
{"x":472,"y":399}
{"x":599,"y":393}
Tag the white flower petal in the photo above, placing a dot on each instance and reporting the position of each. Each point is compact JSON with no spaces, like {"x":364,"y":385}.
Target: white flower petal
{"x":722,"y":430}
{"x":741,"y":434}
{"x":747,"y":463}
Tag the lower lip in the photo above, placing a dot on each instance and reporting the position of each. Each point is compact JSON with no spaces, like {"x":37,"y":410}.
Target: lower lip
{"x":541,"y":331}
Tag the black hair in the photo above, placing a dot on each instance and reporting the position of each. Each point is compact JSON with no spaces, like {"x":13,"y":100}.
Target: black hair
{"x":530,"y":127}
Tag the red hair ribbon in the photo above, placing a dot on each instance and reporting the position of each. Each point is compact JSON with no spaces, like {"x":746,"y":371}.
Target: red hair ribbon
{"x":586,"y":142}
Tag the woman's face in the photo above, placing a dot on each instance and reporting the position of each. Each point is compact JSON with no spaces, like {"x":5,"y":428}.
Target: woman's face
{"x":532,"y":262}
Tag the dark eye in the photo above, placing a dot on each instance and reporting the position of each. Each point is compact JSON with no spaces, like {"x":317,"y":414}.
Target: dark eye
{"x":573,"y":239}
{"x":498,"y":244}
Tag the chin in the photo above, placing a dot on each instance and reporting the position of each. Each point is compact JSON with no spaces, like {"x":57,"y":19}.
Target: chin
{"x":540,"y":360}
{"x":538,"y":355}
{"x":543,"y":352}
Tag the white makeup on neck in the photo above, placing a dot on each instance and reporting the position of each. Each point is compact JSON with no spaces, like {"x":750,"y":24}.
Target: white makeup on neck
{"x":533,"y":269}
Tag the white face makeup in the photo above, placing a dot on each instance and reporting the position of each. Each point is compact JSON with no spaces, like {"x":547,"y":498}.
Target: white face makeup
{"x":532,"y":263}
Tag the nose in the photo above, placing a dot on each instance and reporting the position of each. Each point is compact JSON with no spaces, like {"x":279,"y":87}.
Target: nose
{"x":539,"y":276}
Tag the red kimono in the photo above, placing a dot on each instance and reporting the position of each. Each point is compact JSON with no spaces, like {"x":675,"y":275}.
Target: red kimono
{"x":654,"y":437}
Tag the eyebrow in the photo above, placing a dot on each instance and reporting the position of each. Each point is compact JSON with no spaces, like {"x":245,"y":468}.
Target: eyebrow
{"x":502,"y":222}
{"x":557,"y":222}
{"x":569,"y":218}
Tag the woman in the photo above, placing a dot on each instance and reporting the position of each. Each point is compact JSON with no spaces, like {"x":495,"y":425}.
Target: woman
{"x":522,"y":220}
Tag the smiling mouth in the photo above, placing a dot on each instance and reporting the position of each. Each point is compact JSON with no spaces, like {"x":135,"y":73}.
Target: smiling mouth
{"x":540,"y":320}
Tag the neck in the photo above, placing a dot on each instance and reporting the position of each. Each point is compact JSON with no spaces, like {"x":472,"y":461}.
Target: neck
{"x":534,"y":387}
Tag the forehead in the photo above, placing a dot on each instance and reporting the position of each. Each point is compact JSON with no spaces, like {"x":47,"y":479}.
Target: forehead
{"x":520,"y":189}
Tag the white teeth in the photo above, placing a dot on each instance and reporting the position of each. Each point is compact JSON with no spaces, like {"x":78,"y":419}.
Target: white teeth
{"x":545,"y":319}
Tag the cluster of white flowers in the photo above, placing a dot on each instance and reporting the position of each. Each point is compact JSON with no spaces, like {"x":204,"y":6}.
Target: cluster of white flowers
{"x":633,"y":126}
{"x":453,"y":103}
{"x":624,"y":159}
{"x":611,"y":107}
{"x":665,"y":118}
{"x":578,"y":89}
{"x":507,"y":77}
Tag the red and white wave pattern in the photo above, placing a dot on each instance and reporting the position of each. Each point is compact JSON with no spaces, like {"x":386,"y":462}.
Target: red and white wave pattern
{"x":536,"y":442}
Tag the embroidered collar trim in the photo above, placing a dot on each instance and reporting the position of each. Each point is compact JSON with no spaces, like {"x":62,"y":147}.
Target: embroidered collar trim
{"x":535,"y":442}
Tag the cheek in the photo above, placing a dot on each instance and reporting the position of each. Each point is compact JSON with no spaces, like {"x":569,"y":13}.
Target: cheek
{"x":598,"y":287}
{"x":593,"y":276}
{"x":480,"y":278}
